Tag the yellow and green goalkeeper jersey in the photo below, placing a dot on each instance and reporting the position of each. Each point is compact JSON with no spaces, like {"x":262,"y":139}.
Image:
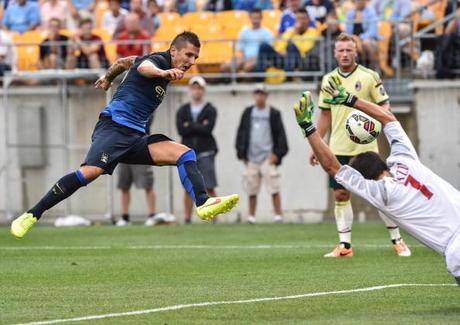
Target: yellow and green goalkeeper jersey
{"x":363,"y":83}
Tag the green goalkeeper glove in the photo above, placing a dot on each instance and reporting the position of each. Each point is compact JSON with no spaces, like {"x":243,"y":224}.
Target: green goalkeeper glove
{"x":340,"y":96}
{"x":304,"y":113}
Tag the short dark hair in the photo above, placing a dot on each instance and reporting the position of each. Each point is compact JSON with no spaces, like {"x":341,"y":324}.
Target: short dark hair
{"x":255,"y":11}
{"x":186,"y":37}
{"x":369,"y":164}
{"x":302,"y":11}
{"x":85,"y":21}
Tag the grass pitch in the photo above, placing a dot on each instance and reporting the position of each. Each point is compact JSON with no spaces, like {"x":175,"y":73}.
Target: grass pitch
{"x":57,"y":273}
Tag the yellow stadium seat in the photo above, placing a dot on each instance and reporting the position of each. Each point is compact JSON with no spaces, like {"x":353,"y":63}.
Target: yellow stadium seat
{"x":213,"y":54}
{"x":384,"y":47}
{"x":231,"y":22}
{"x":193,"y":19}
{"x":110,"y":48}
{"x":28,"y":54}
{"x":165,"y":33}
{"x":271,"y":20}
{"x":159,"y":46}
{"x":208,"y":32}
{"x":67,"y":32}
{"x":101,"y":7}
{"x":170,"y":19}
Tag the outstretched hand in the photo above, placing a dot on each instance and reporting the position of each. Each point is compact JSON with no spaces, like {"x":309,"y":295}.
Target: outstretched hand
{"x":339,"y":95}
{"x":102,"y":83}
{"x":304,"y":113}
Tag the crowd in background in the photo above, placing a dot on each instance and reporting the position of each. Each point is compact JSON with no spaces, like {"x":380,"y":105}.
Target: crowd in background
{"x":71,"y":40}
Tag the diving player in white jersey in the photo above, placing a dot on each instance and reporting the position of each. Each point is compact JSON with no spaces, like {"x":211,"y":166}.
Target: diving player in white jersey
{"x":408,"y":192}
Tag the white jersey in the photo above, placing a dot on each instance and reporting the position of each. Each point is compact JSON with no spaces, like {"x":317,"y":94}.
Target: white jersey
{"x":415,"y":198}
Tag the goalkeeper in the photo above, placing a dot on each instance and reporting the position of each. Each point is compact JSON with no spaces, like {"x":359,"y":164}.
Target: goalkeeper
{"x":408,"y":192}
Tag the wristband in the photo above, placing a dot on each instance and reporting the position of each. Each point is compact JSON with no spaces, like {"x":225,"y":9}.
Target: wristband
{"x":351,"y":100}
{"x":308,"y":128}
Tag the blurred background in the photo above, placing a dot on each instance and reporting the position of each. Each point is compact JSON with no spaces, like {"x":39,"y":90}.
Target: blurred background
{"x":52,"y":51}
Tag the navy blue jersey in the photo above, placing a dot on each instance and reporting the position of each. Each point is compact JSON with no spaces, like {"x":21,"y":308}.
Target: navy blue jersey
{"x":138,"y":97}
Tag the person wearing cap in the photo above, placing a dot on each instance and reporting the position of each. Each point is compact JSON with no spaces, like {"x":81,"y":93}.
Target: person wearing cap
{"x":195,"y":122}
{"x":261,"y":144}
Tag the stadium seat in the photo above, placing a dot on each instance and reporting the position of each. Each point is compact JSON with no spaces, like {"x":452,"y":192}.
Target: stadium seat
{"x":231,"y":22}
{"x":208,"y":32}
{"x":271,"y":20}
{"x":159,"y":46}
{"x":384,"y":47}
{"x":110,"y":48}
{"x":213,"y":54}
{"x":28,"y":55}
{"x":165,"y":33}
{"x":101,"y":7}
{"x":169,"y":19}
{"x":193,"y":19}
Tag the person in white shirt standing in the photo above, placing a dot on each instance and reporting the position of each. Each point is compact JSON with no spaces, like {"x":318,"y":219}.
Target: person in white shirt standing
{"x":404,"y":189}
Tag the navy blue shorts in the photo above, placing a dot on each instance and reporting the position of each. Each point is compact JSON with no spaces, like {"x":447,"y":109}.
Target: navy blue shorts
{"x":113,"y":143}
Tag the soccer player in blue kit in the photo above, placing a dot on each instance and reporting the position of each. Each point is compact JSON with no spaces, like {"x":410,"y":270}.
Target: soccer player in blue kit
{"x":119,"y":135}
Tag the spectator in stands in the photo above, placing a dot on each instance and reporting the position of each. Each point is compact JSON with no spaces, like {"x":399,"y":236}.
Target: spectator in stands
{"x":184,"y":6}
{"x":21,"y":16}
{"x":261,"y":144}
{"x":219,"y":5}
{"x":362,"y":21}
{"x":7,"y":53}
{"x":86,"y":50}
{"x":288,"y":17}
{"x":248,"y":44}
{"x":319,"y":9}
{"x":154,"y":9}
{"x":134,"y":33}
{"x":50,"y":9}
{"x":252,"y":4}
{"x":145,"y":21}
{"x":195,"y":122}
{"x":53,"y":56}
{"x":82,"y":9}
{"x":447,"y":57}
{"x":295,"y":51}
{"x":113,"y":16}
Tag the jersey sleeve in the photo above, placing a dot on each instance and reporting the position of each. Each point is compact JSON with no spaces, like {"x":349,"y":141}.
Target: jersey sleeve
{"x":323,"y":95}
{"x":159,"y":61}
{"x":374,"y":191}
{"x":378,"y":92}
{"x":400,"y":144}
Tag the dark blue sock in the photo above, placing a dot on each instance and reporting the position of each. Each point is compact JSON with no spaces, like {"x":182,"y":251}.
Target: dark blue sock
{"x":191,"y":178}
{"x":63,"y":188}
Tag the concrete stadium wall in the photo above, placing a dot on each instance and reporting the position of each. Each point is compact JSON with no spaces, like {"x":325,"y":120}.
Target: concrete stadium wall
{"x":304,"y":188}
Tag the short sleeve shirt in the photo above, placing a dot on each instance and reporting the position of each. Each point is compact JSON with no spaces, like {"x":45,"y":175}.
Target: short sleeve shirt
{"x":364,"y":83}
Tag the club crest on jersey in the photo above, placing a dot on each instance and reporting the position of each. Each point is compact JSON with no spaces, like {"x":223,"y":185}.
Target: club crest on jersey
{"x":104,"y":157}
{"x":160,"y":92}
{"x":358,"y":85}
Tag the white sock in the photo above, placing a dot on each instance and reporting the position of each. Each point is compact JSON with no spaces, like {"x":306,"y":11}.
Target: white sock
{"x":344,"y":220}
{"x":393,"y":228}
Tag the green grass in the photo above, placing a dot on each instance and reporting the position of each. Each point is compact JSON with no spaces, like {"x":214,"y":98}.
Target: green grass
{"x":138,"y":268}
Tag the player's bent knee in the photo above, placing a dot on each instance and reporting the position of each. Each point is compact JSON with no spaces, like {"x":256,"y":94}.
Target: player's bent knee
{"x":90,"y":173}
{"x":342,"y":195}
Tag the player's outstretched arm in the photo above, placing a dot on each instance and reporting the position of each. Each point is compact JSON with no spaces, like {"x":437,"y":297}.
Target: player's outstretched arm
{"x":118,"y":67}
{"x":340,"y":96}
{"x":148,"y":69}
{"x":304,"y":115}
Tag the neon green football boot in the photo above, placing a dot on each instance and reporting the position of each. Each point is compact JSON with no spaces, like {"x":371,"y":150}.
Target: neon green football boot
{"x":21,"y":225}
{"x":217,"y":205}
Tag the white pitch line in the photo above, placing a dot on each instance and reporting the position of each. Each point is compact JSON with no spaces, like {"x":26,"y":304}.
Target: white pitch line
{"x":214,"y":247}
{"x":234,"y":302}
